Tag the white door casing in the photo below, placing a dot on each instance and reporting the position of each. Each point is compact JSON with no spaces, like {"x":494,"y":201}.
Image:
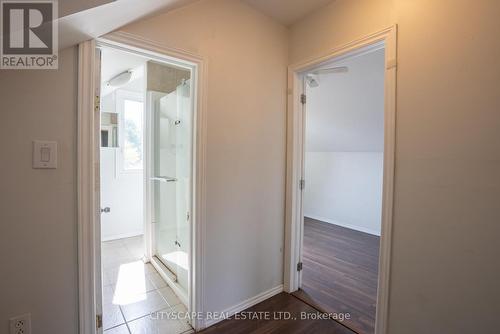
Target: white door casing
{"x":90,"y":293}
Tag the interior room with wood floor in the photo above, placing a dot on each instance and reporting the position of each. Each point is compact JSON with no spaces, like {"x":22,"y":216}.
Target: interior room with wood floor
{"x":342,"y":197}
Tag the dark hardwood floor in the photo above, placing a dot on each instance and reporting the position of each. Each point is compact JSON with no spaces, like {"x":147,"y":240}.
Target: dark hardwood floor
{"x":282,"y":302}
{"x":340,"y":272}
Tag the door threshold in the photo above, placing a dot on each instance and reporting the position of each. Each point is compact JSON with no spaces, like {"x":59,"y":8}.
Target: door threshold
{"x":304,"y":297}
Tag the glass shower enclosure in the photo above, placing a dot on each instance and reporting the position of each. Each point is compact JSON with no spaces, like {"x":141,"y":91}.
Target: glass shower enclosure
{"x":170,"y":173}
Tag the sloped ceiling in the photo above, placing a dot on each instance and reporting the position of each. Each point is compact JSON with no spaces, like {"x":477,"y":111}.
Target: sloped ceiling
{"x":68,"y":7}
{"x":345,"y":113}
{"x":80,"y":20}
{"x":84,"y":23}
{"x":287,"y":11}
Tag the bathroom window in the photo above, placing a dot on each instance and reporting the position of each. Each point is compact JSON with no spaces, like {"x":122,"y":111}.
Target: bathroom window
{"x":132,"y":113}
{"x":132,"y":126}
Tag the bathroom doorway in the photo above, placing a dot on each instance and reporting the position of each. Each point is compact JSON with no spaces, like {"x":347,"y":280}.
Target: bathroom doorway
{"x":147,"y":143}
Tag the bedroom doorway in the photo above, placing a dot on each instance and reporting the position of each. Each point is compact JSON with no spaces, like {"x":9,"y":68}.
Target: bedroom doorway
{"x":342,"y":195}
{"x":339,"y":196}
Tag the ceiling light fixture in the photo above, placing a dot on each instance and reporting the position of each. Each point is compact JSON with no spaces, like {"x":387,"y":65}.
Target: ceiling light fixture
{"x":120,"y":79}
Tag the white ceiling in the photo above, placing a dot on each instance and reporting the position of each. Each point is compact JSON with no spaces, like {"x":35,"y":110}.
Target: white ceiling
{"x":114,"y":62}
{"x":287,"y":11}
{"x":346,"y":112}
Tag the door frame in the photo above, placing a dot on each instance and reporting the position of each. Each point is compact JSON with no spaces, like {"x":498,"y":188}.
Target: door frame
{"x":295,"y":169}
{"x":88,"y":181}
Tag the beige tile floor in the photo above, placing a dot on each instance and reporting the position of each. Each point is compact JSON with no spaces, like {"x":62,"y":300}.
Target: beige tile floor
{"x":136,"y":300}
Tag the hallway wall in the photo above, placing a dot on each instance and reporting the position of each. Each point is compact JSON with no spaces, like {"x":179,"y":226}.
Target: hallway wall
{"x":246,"y":54}
{"x":38,"y":239}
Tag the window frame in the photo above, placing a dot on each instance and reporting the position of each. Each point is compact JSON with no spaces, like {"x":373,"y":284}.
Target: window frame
{"x":121,"y":96}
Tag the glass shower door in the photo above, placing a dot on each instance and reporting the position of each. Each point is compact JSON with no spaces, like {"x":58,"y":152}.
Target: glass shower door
{"x":171,"y":180}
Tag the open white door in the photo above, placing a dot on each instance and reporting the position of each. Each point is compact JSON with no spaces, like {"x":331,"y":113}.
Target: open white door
{"x":89,"y":211}
{"x":97,"y":156}
{"x":302,"y":181}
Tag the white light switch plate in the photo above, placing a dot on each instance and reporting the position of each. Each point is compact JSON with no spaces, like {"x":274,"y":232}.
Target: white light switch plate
{"x":44,"y":154}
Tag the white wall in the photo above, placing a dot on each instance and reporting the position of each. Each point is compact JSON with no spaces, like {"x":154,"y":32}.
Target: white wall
{"x":344,"y":144}
{"x":345,"y":113}
{"x":38,"y":238}
{"x":246,"y":54}
{"x":122,"y":192}
{"x":444,"y":277}
{"x":345,"y":188}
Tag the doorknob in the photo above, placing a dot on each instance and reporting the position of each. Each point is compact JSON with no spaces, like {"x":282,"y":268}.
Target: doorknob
{"x":105,"y":210}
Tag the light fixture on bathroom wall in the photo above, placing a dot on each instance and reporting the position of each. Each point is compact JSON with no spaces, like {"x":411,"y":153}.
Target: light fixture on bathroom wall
{"x":120,"y":79}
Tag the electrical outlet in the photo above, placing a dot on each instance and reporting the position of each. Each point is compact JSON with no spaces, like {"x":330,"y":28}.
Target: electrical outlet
{"x":21,"y":324}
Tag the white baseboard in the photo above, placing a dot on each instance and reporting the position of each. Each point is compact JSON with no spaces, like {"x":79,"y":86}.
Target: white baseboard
{"x":122,"y":236}
{"x":350,"y":226}
{"x":245,"y":304}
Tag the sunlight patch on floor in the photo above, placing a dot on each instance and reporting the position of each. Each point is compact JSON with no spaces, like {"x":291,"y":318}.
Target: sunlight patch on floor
{"x":131,"y":284}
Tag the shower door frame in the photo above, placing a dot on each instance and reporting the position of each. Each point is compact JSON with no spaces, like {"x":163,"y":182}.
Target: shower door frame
{"x":89,"y":243}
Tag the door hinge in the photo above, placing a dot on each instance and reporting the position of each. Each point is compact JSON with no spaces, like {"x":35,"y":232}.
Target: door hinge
{"x":97,"y":103}
{"x":299,"y":266}
{"x":98,"y":321}
{"x":303,"y":98}
{"x":302,"y":184}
